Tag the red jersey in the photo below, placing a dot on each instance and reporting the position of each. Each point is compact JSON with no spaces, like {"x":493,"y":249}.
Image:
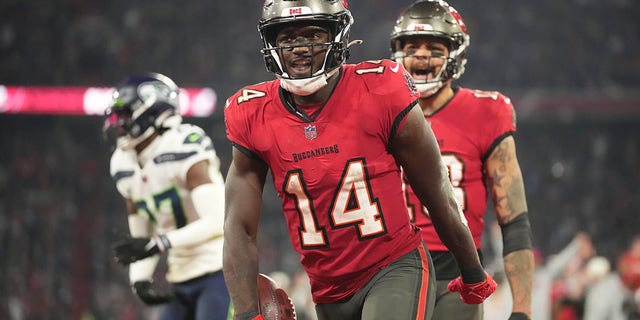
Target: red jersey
{"x":467,"y":128}
{"x":341,"y":189}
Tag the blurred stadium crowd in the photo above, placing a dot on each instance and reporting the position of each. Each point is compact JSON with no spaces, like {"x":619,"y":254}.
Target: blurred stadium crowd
{"x":575,"y":44}
{"x":59,"y":211}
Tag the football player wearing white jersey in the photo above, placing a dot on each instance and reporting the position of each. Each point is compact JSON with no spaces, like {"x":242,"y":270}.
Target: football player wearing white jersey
{"x":169,"y":175}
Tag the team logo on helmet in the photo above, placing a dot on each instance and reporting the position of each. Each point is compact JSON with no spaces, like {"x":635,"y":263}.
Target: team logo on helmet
{"x":454,"y":13}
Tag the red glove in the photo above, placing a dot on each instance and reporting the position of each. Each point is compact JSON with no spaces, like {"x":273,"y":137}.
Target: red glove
{"x":473,"y":293}
{"x":249,"y":316}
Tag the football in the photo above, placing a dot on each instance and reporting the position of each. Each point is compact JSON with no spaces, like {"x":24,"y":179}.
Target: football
{"x":274,"y":302}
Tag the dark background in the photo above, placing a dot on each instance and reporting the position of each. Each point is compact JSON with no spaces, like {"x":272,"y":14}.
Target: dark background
{"x":571,"y":67}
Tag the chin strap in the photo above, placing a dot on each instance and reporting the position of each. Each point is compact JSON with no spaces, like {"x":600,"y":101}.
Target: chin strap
{"x":354,"y":42}
{"x":307,"y":86}
{"x":428,"y":89}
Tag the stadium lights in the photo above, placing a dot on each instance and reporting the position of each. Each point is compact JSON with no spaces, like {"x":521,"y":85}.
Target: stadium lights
{"x":194,"y":102}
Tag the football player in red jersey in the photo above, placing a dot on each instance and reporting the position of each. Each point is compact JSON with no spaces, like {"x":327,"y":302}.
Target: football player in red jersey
{"x":474,"y":130}
{"x":333,"y":136}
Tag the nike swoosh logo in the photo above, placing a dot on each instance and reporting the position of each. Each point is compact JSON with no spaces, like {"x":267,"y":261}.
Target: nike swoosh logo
{"x":395,"y":69}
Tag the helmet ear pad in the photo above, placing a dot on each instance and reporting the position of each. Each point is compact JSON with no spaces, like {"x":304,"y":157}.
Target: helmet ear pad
{"x":270,"y":62}
{"x":339,"y":54}
{"x":342,"y":50}
{"x":450,"y":69}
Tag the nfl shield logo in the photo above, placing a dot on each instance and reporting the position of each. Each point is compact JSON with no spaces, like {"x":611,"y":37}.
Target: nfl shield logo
{"x":310,"y":132}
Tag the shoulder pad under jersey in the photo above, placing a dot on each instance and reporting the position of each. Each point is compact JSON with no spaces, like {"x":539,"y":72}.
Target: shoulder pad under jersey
{"x":385,"y":76}
{"x":257,"y":94}
{"x":122,"y":168}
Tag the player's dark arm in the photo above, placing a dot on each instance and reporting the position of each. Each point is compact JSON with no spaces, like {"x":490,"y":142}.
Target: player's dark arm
{"x":243,"y":187}
{"x":504,"y":179}
{"x":416,"y":149}
{"x":198,"y":174}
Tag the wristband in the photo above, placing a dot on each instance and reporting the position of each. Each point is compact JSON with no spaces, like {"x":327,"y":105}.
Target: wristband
{"x":162,"y":242}
{"x":473,"y":275}
{"x":519,"y":316}
{"x":516,"y":234}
